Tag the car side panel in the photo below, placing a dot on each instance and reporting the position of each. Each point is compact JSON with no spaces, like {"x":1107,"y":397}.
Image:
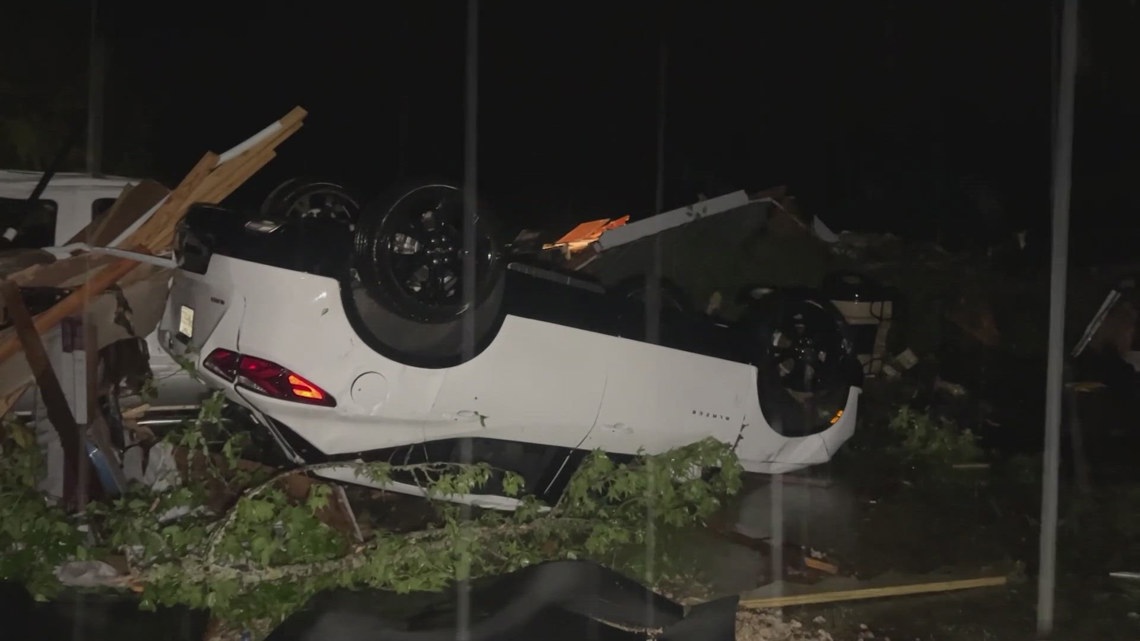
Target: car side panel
{"x":658,"y":398}
{"x":537,"y":382}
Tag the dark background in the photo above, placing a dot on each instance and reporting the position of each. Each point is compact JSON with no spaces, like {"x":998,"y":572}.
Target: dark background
{"x":909,"y":116}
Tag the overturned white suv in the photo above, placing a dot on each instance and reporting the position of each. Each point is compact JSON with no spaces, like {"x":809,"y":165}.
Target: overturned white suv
{"x":353,"y":339}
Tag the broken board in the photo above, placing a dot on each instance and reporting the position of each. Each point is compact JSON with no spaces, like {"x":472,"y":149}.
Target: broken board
{"x":779,"y":594}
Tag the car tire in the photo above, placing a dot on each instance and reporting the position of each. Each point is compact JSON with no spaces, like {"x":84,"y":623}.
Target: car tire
{"x":306,"y":197}
{"x":406,"y":289}
{"x":794,"y":405}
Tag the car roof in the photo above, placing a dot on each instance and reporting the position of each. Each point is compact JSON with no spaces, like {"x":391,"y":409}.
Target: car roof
{"x":14,"y":179}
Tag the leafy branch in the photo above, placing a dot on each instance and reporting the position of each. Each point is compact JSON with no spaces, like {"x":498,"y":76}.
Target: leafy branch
{"x":261,"y":556}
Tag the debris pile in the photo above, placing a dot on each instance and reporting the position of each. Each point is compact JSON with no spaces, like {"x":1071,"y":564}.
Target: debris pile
{"x":144,"y":217}
{"x":109,"y":284}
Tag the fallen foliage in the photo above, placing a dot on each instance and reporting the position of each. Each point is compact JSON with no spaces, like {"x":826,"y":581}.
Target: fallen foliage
{"x":259,"y":558}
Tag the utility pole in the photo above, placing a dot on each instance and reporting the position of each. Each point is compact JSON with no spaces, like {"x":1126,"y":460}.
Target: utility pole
{"x":1062,"y":186}
{"x":653,"y":281}
{"x":653,"y":277}
{"x":470,"y":246}
{"x":96,"y":76}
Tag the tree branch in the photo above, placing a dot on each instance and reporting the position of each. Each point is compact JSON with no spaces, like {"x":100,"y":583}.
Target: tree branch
{"x":197,"y":569}
{"x":231,"y":515}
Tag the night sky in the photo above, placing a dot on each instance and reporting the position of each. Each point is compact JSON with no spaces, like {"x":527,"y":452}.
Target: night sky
{"x":884,"y":114}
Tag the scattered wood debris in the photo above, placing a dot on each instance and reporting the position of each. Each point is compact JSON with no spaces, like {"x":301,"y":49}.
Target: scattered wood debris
{"x":136,"y":229}
{"x":781,"y":594}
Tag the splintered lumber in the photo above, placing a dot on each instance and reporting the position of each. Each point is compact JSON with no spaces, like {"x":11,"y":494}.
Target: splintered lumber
{"x":816,"y":595}
{"x":175,"y":205}
{"x":14,"y":261}
{"x":58,"y":411}
{"x":219,"y":185}
{"x":213,"y":179}
{"x":135,"y":202}
{"x":70,"y":305}
{"x":272,"y":135}
{"x":148,"y":218}
{"x":59,"y":273}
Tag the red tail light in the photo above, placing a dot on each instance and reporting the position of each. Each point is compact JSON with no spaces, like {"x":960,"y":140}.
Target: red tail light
{"x":223,"y":362}
{"x":269,"y":378}
{"x":266,"y":377}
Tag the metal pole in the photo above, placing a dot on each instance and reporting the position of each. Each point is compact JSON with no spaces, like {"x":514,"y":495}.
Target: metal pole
{"x":1062,"y":186}
{"x":95,"y":79}
{"x":653,"y":277}
{"x":653,"y":300}
{"x":470,"y":176}
{"x":470,"y":244}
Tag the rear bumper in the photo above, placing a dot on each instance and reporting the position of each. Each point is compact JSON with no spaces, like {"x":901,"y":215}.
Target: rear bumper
{"x":297,"y":320}
{"x":805,"y":451}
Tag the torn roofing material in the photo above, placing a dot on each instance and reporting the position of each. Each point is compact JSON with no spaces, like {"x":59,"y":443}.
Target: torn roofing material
{"x":556,"y":600}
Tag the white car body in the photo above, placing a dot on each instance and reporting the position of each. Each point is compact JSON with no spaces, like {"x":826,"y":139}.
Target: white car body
{"x":537,"y":382}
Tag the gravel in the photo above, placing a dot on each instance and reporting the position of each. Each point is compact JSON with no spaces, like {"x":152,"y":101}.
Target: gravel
{"x":769,"y":625}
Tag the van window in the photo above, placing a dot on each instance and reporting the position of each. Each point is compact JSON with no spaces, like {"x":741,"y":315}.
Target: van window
{"x":100,"y":206}
{"x":34,"y":223}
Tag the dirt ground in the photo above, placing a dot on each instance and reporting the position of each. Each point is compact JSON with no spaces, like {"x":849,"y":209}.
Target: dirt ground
{"x":916,"y":521}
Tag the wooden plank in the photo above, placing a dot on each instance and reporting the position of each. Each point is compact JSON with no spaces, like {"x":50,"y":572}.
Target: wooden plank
{"x":58,"y":411}
{"x":269,"y":143}
{"x":175,"y":206}
{"x":58,"y":273}
{"x":126,"y":210}
{"x":820,"y":565}
{"x":211,"y":182}
{"x":266,"y":135}
{"x":167,"y":215}
{"x":15,"y":261}
{"x":835,"y":596}
{"x":232,"y":174}
{"x":215,"y":191}
{"x":295,"y":115}
{"x":280,"y":136}
{"x":106,"y":277}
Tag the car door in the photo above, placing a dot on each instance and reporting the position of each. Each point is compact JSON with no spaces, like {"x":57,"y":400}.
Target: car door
{"x":658,"y":398}
{"x":538,"y":382}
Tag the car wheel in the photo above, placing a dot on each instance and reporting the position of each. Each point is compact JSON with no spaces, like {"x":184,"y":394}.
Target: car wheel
{"x":805,"y":359}
{"x":407,"y":285}
{"x":803,"y":336}
{"x":303,"y":197}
